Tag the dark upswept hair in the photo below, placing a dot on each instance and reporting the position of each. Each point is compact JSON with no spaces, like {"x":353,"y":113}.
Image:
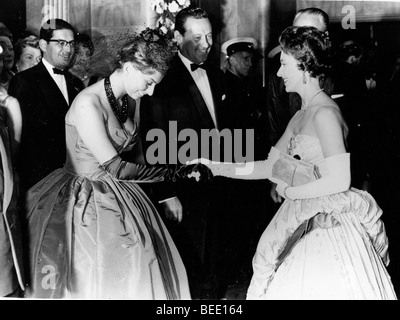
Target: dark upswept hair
{"x":146,"y":55}
{"x":184,"y":14}
{"x":146,"y":50}
{"x":48,"y":28}
{"x":310,"y":47}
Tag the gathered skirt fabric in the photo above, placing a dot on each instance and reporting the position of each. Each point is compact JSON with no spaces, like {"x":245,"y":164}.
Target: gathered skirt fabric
{"x":11,"y":266}
{"x":99,"y":238}
{"x":344,"y":260}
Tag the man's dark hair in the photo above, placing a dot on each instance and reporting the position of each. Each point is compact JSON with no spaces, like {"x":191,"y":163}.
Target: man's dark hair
{"x":184,"y":14}
{"x":47,"y":29}
{"x":321,"y":14}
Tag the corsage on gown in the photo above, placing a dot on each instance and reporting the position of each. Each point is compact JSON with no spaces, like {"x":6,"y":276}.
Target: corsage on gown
{"x":332,"y":247}
{"x":93,"y":236}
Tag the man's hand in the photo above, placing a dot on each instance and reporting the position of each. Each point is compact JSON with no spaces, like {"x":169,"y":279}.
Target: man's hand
{"x":173,"y":209}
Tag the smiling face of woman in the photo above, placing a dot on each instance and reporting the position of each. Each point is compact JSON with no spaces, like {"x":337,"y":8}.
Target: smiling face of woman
{"x":141,"y":83}
{"x":29,"y":57}
{"x":290,"y":73}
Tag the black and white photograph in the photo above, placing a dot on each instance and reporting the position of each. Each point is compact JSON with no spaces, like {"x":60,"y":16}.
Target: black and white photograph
{"x":200,"y":152}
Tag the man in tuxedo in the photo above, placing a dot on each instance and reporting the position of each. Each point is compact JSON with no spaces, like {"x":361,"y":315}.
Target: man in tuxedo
{"x":45,"y":93}
{"x":190,"y":97}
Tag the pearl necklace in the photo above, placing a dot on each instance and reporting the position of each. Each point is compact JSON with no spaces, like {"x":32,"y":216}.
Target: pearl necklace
{"x":121,"y":113}
{"x":304,"y":108}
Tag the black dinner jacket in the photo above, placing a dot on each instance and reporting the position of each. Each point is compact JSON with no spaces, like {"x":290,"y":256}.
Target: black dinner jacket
{"x":43,"y":110}
{"x":177,"y":98}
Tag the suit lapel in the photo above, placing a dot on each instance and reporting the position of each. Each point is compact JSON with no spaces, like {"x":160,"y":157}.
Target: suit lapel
{"x":50,"y":90}
{"x":73,"y":90}
{"x":216,"y":90}
{"x":195,"y":92}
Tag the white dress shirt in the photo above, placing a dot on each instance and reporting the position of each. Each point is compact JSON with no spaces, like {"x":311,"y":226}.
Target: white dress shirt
{"x":201,"y":79}
{"x":59,"y":80}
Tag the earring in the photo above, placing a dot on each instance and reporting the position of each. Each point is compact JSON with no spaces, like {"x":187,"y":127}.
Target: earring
{"x":304,"y":78}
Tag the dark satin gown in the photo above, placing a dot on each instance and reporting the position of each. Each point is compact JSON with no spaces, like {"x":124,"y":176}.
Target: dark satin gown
{"x":95,"y":237}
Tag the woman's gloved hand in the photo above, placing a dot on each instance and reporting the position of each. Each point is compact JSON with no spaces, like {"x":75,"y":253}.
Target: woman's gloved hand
{"x":198,"y":171}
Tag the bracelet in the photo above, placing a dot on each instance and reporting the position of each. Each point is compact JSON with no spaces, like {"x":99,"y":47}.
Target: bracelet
{"x":284,"y":192}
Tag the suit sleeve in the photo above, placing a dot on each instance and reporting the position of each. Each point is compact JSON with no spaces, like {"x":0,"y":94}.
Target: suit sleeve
{"x":154,"y":115}
{"x":18,"y":88}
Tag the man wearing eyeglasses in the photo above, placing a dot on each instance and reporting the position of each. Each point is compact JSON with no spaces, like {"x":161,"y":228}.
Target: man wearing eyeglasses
{"x":45,"y":93}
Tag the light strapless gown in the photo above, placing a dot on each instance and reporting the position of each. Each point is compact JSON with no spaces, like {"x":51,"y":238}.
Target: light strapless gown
{"x":342,"y":258}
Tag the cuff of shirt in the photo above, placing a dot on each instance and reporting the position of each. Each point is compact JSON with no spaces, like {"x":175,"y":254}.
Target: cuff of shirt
{"x":165,"y":200}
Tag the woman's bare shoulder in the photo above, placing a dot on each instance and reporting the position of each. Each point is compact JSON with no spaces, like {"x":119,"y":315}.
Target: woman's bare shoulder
{"x":328,"y":118}
{"x":327,"y":111}
{"x":8,"y":101}
{"x":86,"y":104}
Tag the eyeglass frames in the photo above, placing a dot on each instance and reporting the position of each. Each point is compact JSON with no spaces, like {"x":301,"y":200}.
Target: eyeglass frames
{"x":63,"y":43}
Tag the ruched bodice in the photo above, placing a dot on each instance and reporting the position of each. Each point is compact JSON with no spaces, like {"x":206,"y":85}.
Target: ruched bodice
{"x":308,"y":148}
{"x":80,"y":160}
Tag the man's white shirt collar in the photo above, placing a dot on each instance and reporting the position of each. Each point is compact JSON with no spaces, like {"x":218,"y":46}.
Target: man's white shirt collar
{"x":186,"y":61}
{"x":59,"y":79}
{"x":49,"y":67}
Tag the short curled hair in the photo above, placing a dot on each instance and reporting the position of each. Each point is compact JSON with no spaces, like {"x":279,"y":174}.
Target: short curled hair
{"x":21,"y":44}
{"x":146,"y":55}
{"x":310,"y":47}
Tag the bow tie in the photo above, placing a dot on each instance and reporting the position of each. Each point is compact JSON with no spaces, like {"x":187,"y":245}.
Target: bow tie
{"x":58,"y":71}
{"x":195,"y":66}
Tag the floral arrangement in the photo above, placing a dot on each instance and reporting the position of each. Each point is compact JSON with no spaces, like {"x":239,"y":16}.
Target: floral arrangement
{"x":156,"y":35}
{"x":167,"y":9}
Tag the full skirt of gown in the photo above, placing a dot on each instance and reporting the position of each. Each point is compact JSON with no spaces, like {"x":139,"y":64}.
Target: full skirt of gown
{"x":343,"y":257}
{"x":95,"y":237}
